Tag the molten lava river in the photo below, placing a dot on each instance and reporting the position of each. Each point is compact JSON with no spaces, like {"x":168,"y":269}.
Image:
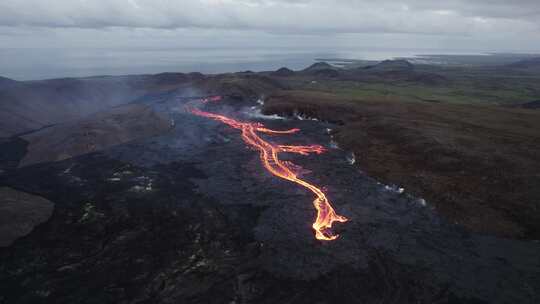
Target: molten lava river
{"x":269,"y":154}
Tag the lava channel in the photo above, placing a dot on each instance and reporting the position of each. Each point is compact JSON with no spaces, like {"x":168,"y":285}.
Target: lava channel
{"x":269,"y":154}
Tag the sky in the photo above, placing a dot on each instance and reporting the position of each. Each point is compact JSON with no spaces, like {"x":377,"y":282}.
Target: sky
{"x":483,"y":25}
{"x":61,"y":38}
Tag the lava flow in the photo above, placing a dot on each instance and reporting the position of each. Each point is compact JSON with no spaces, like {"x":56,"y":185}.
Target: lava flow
{"x":269,"y":154}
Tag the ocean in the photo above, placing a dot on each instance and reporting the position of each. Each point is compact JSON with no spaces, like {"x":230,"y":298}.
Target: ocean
{"x":36,"y":63}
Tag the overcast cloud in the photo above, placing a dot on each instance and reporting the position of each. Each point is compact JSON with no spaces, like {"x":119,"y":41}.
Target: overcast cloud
{"x":282,"y":16}
{"x":475,"y":25}
{"x":449,"y":17}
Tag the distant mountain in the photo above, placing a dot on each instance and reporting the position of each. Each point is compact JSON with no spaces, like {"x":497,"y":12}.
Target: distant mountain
{"x":322,"y":69}
{"x":526,"y":63}
{"x":283,"y":72}
{"x":394,"y":71}
{"x":5,"y":82}
{"x":391,"y":65}
{"x":319,"y":66}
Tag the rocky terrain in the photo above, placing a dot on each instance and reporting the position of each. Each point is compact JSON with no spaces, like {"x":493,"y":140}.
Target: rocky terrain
{"x":30,"y":105}
{"x":19,"y":213}
{"x":94,"y":133}
{"x":132,"y":199}
{"x":477,"y":164}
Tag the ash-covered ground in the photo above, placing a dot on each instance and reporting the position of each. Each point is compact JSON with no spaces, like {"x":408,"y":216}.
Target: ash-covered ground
{"x":191,"y":216}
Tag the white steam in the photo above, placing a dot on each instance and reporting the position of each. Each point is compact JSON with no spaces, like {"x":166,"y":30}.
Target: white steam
{"x":351,"y":158}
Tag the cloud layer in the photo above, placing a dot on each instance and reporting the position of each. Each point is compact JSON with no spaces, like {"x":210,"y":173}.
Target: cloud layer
{"x":450,"y":17}
{"x":57,"y":38}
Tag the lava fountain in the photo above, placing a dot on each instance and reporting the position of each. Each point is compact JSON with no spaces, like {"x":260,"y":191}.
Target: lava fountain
{"x":269,"y":155}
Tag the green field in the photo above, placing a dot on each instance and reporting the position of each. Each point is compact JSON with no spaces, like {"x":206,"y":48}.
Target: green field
{"x":459,"y":92}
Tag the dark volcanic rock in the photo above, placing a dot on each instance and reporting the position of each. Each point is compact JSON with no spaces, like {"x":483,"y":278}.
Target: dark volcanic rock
{"x":97,"y":132}
{"x":12,"y":150}
{"x":192,"y":216}
{"x":31,"y":105}
{"x":464,"y":171}
{"x":5,"y":82}
{"x":530,"y":105}
{"x":19,"y":213}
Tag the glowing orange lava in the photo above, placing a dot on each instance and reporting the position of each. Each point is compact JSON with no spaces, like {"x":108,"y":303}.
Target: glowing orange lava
{"x":269,"y":154}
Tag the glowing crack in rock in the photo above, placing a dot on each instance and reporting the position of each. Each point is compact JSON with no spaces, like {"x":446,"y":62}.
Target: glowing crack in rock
{"x":269,"y":155}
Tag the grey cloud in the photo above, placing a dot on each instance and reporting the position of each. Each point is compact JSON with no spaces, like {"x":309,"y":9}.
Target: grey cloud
{"x":280,"y":16}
